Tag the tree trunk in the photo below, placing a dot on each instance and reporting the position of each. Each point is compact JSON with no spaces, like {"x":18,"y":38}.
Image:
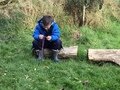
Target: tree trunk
{"x":112,"y":55}
{"x":66,"y":52}
{"x":84,"y":15}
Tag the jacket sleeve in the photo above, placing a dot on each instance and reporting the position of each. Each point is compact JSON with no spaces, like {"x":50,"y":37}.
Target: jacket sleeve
{"x":36,"y":32}
{"x":55,"y":33}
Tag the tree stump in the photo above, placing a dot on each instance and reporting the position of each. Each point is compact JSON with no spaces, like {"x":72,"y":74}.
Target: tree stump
{"x":112,"y":55}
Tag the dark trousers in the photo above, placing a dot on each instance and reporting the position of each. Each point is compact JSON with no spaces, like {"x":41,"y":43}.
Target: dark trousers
{"x":38,"y":45}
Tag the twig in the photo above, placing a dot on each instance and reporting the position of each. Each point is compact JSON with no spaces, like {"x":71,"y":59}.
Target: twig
{"x":6,"y":4}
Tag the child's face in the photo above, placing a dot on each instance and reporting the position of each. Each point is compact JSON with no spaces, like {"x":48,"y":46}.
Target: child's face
{"x":47,"y":27}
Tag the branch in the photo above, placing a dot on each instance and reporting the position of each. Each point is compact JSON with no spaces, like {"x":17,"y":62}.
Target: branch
{"x":6,"y":3}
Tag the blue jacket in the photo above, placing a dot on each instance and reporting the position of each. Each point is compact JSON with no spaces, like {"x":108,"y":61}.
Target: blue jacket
{"x":54,"y":31}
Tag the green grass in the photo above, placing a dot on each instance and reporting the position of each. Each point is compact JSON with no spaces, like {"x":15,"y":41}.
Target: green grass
{"x":20,"y":70}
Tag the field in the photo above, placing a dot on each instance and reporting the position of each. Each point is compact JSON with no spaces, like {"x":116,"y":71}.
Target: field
{"x":19,"y":70}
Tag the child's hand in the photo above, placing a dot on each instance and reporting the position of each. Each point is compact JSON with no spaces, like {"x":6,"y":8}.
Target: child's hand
{"x":48,"y":38}
{"x":41,"y":36}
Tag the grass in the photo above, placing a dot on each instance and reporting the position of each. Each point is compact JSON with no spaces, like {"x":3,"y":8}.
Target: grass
{"x":20,"y":70}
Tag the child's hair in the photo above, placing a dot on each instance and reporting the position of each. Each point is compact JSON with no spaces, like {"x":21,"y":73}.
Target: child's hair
{"x":46,"y":20}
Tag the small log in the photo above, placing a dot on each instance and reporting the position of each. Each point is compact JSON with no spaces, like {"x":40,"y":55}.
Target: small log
{"x":66,"y":52}
{"x":112,"y":55}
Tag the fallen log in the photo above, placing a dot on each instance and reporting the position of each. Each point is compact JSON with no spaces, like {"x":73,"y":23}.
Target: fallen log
{"x":112,"y":55}
{"x":66,"y":52}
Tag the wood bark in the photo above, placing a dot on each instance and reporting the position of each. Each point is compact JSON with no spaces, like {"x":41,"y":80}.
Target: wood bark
{"x":84,"y":7}
{"x":66,"y":52}
{"x":112,"y":55}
